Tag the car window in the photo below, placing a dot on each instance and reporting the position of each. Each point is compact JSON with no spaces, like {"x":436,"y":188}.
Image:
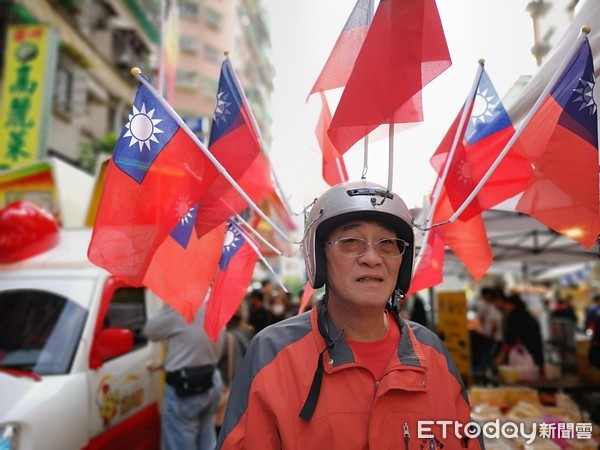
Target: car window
{"x":127,"y":309}
{"x":39,"y":331}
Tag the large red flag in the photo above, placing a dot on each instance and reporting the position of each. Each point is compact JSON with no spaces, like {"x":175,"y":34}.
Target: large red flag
{"x":236,"y":267}
{"x":334,"y":169}
{"x":404,"y":50}
{"x":182,"y":270}
{"x":339,"y":64}
{"x":156,"y":175}
{"x":488,"y":131}
{"x":236,"y":145}
{"x":561,"y":141}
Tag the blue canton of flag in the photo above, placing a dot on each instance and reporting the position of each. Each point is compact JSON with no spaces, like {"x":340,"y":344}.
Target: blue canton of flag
{"x":148,"y":131}
{"x":233,"y":242}
{"x":183,"y":230}
{"x":575,"y":93}
{"x":488,"y":115}
{"x":229,"y":104}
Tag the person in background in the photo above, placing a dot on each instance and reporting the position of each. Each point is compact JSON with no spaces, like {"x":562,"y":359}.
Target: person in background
{"x":238,"y":335}
{"x":279,"y":308}
{"x":193,"y":384}
{"x":267,"y":287}
{"x":351,"y":373}
{"x":520,"y":327}
{"x":258,"y":316}
{"x":418,"y":313}
{"x":564,"y":310}
{"x":491,"y":326}
{"x":589,"y":323}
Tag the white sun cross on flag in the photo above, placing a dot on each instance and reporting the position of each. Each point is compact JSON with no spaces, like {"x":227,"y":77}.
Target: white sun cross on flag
{"x":142,"y":128}
{"x":586,"y":95}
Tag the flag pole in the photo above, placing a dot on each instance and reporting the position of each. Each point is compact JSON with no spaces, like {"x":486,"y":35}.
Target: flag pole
{"x":457,"y":137}
{"x":338,"y":166}
{"x":365,"y":157}
{"x":137,"y":73}
{"x":390,"y":155}
{"x":257,"y":235}
{"x":551,"y":84}
{"x":256,"y":250}
{"x":370,"y":13}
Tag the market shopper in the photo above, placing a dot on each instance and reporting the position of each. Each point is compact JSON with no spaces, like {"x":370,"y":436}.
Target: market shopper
{"x":520,"y":327}
{"x":349,"y":374}
{"x":192,"y":391}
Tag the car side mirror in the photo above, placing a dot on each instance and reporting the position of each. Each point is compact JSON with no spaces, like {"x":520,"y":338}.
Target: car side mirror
{"x":110,"y":343}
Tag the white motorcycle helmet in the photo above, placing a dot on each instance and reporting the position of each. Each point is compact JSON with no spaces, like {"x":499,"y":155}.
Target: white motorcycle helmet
{"x":350,"y":201}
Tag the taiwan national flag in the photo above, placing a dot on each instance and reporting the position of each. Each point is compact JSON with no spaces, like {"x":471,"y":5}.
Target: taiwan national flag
{"x":334,"y":168}
{"x":339,"y":64}
{"x":561,"y":141}
{"x":488,"y":131}
{"x":156,"y":176}
{"x":232,"y":281}
{"x":184,"y":266}
{"x":236,"y":145}
{"x":405,"y":49}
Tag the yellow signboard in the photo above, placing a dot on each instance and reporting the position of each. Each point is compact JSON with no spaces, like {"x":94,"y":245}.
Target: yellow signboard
{"x":26,"y":95}
{"x":452,"y":328}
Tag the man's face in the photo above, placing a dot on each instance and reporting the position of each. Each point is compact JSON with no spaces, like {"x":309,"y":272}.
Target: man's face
{"x":366,"y":280}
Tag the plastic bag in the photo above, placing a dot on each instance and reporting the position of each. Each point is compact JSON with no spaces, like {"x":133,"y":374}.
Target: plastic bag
{"x":521,"y":360}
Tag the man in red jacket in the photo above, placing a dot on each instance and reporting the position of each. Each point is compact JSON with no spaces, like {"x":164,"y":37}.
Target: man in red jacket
{"x":351,"y":373}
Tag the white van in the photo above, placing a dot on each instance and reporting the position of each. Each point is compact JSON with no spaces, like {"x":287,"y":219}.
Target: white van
{"x":73,"y":360}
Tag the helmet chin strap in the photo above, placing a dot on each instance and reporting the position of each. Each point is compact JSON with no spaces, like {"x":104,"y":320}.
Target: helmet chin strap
{"x":397,"y":297}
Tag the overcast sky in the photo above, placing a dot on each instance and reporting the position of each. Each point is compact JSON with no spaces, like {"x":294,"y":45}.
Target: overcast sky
{"x":303,"y":34}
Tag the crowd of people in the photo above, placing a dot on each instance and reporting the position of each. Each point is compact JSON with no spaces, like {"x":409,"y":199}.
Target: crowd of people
{"x":506,"y":321}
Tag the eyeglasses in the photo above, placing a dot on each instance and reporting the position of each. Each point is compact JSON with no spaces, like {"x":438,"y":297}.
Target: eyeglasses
{"x":386,"y":248}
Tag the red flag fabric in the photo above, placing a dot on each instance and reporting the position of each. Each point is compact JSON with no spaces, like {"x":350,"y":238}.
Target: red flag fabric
{"x":561,"y":141}
{"x":181,"y":276}
{"x":488,"y":131}
{"x":405,"y":48}
{"x":339,"y":64}
{"x":334,"y":172}
{"x":236,"y":267}
{"x":157,"y":174}
{"x":466,"y":238}
{"x":429,"y":271}
{"x":334,"y":168}
{"x":235,"y":144}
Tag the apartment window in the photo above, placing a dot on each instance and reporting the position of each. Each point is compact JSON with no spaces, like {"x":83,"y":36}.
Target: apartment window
{"x":187,"y":79}
{"x":188,"y":10}
{"x":212,"y":54}
{"x":63,"y":87}
{"x":189,"y":44}
{"x":212,"y":18}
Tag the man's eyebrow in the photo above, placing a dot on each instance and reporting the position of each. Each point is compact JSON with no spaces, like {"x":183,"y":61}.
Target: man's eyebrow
{"x":349,"y":226}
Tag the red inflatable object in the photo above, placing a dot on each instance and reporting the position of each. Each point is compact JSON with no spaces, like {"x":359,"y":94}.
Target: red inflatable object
{"x":25,"y":230}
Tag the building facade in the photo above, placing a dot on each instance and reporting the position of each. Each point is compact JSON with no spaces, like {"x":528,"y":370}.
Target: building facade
{"x":98,"y":42}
